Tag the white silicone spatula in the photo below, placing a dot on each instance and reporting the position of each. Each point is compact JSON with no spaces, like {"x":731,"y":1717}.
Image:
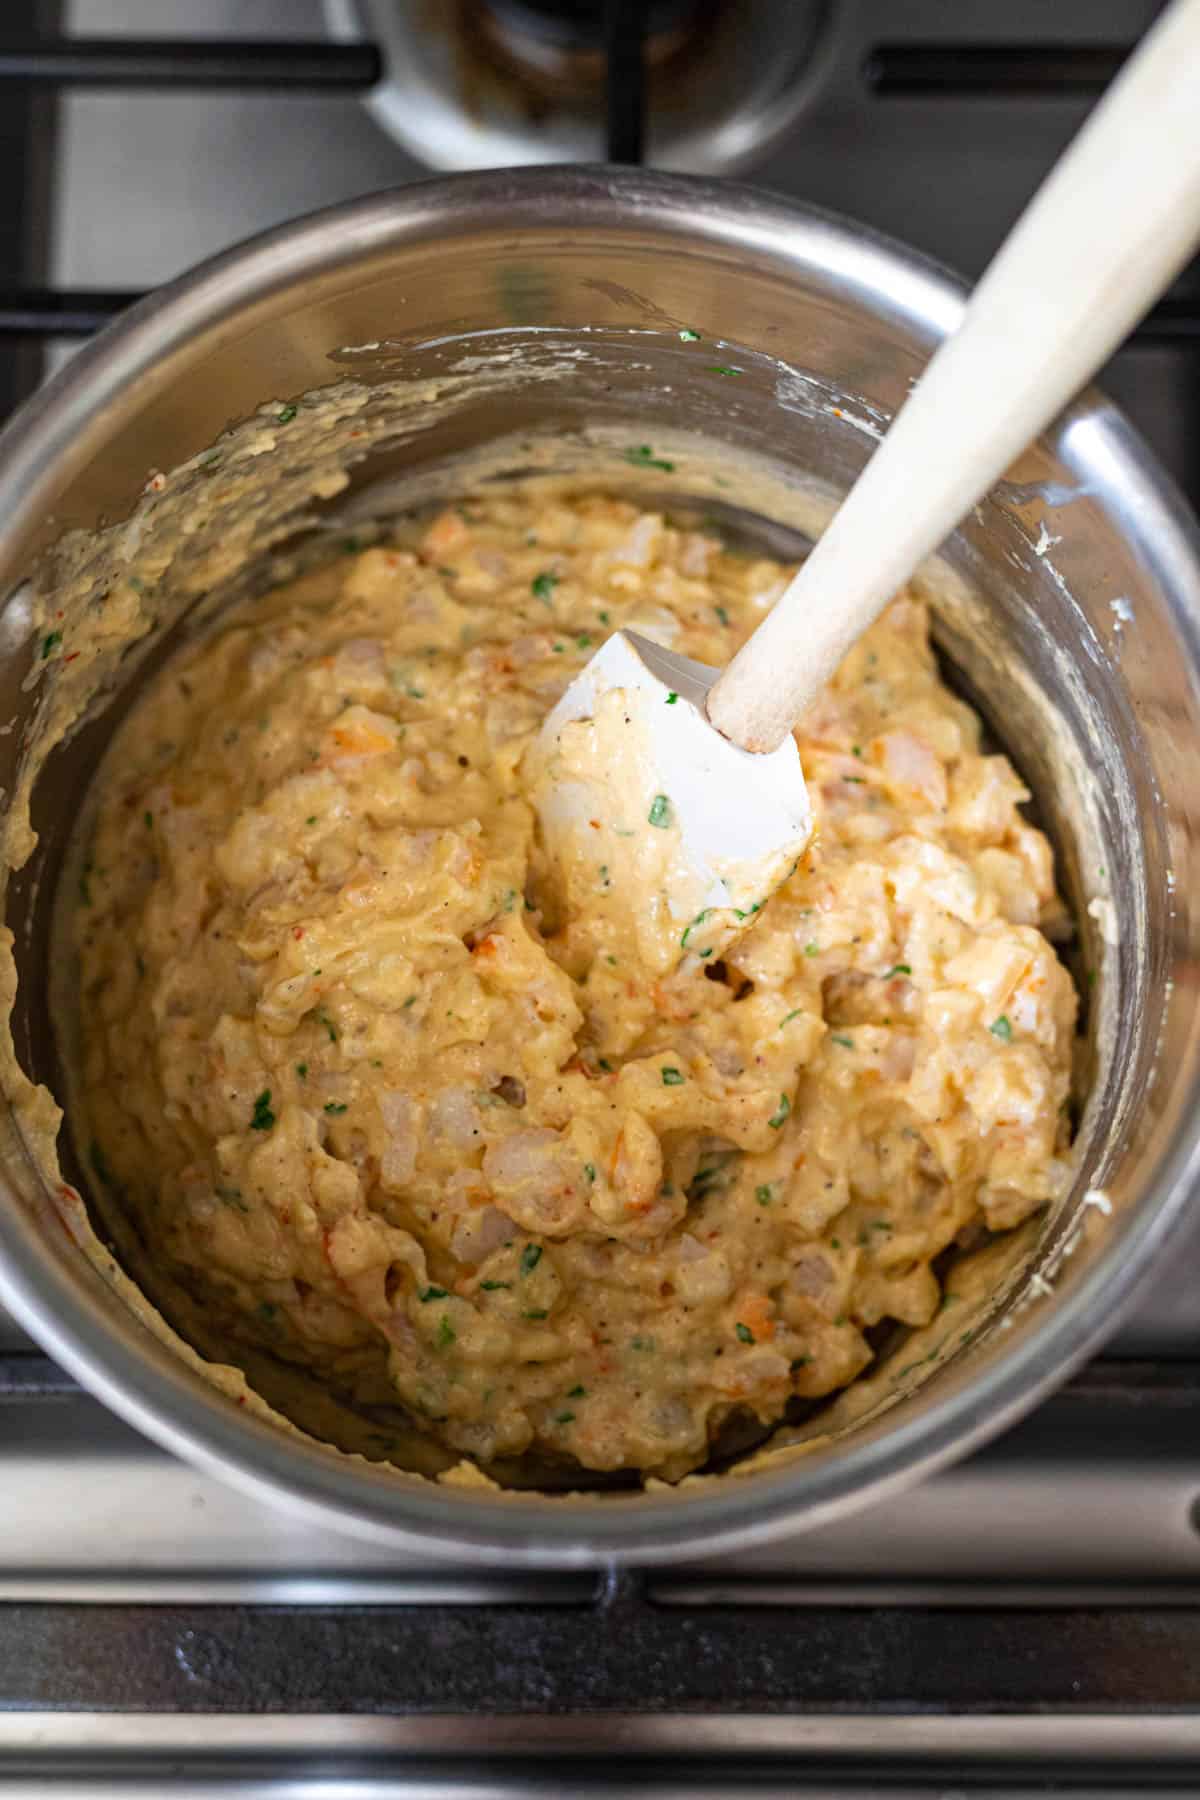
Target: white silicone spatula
{"x":696,"y":769}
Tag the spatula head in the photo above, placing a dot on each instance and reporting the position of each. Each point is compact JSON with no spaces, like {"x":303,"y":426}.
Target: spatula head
{"x":692,"y":833}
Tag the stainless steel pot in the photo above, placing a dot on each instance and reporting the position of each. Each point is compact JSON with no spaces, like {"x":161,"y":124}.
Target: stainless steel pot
{"x":1070,"y":603}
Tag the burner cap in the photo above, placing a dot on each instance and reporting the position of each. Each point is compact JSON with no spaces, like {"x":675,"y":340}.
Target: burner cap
{"x":578,"y":25}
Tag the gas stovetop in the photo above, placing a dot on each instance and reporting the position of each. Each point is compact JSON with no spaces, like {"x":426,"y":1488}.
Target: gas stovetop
{"x":1030,"y":1619}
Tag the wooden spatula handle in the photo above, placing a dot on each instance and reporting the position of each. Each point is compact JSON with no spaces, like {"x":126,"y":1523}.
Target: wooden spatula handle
{"x":1106,"y":233}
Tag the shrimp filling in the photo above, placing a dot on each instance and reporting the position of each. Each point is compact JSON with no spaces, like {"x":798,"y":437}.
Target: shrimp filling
{"x":386,"y":1114}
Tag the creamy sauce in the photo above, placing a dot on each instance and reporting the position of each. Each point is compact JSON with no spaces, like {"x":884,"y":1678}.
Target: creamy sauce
{"x":380,"y":1107}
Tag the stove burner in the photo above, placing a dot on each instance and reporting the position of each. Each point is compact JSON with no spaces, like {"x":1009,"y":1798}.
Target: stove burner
{"x":488,"y":83}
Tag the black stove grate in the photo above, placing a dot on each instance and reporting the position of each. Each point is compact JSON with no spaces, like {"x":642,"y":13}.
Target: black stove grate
{"x":275,"y":66}
{"x":991,"y":71}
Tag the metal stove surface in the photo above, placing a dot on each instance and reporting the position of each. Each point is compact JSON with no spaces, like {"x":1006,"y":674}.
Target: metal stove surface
{"x":1029,"y":1619}
{"x":1015,"y":1621}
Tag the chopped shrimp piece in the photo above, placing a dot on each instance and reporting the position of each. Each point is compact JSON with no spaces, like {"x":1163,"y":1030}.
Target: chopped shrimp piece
{"x":910,"y":766}
{"x":447,"y":534}
{"x":756,"y":1312}
{"x":358,"y":733}
{"x":537,"y":1181}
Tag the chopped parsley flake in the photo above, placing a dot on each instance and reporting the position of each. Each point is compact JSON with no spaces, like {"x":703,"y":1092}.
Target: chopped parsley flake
{"x":335,"y":1106}
{"x":302,"y":1071}
{"x":285,"y":415}
{"x":781,"y":1112}
{"x":671,"y":699}
{"x":898,"y":969}
{"x":326,"y":1021}
{"x":539,"y":1312}
{"x":744,"y":1332}
{"x":660,"y":812}
{"x":589,"y":1170}
{"x":641,"y":1343}
{"x":1002,"y":1029}
{"x":688,"y":336}
{"x":723,"y":369}
{"x":603,"y":618}
{"x":812,"y":949}
{"x":148,"y":820}
{"x":788,"y":1017}
{"x":263,"y":1118}
{"x":672,"y":1078}
{"x":764,"y":1194}
{"x":446,"y":1333}
{"x":567,"y":1418}
{"x":531,"y":1256}
{"x":433,"y":1293}
{"x":50,"y":642}
{"x":721,"y":614}
{"x":688,"y":930}
{"x":643,"y":457}
{"x":583,"y":641}
{"x":712,"y":1175}
{"x":839,"y":1037}
{"x":577,"y":1393}
{"x":542,"y":586}
{"x":492,"y":1287}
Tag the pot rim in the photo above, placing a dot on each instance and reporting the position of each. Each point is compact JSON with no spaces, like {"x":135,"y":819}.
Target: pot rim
{"x":60,"y":429}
